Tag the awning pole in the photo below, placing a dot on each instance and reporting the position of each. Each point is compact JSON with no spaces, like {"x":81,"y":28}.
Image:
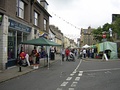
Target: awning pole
{"x":48,"y":47}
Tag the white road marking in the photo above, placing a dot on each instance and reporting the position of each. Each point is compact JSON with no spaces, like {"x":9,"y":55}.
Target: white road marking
{"x":69,"y":78}
{"x":77,"y":78}
{"x":107,"y":72}
{"x":78,"y":65}
{"x":74,"y":84}
{"x":102,"y":70}
{"x":71,"y":88}
{"x":59,"y":89}
{"x":72,"y":74}
{"x":64,"y":83}
{"x":79,"y":75}
{"x":80,"y":72}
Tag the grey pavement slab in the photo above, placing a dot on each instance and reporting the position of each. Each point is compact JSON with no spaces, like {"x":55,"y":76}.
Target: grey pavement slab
{"x":14,"y":71}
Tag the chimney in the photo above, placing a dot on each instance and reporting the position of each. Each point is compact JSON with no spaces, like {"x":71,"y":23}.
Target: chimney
{"x":44,"y":4}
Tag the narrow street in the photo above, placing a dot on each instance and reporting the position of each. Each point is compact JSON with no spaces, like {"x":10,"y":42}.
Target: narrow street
{"x":69,"y":75}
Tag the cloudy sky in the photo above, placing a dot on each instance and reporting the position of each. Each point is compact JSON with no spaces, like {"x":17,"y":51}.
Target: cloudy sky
{"x":72,"y":15}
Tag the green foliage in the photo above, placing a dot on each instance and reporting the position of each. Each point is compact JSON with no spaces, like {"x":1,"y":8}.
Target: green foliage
{"x":116,"y":26}
{"x":97,"y":34}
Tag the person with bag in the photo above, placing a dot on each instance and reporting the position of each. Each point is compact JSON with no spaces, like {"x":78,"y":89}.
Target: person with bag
{"x":22,"y":58}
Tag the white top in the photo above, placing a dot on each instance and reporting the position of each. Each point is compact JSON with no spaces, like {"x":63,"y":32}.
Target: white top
{"x":84,"y":51}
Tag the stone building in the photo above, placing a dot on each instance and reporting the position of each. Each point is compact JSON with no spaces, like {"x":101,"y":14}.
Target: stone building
{"x":86,"y":37}
{"x":57,"y":37}
{"x":20,"y":20}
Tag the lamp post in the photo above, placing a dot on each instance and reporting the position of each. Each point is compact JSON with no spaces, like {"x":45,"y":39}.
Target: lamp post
{"x":104,"y":39}
{"x":110,"y":30}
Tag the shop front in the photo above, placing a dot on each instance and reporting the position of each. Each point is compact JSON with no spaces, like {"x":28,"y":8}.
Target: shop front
{"x":17,"y":32}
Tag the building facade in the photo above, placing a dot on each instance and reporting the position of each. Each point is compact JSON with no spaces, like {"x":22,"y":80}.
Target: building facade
{"x":86,"y":37}
{"x":58,"y":36}
{"x":20,"y":20}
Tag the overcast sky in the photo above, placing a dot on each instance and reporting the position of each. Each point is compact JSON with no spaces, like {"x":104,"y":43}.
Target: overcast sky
{"x":72,"y":15}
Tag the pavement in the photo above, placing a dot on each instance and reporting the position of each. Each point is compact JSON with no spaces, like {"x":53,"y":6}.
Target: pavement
{"x":14,"y":71}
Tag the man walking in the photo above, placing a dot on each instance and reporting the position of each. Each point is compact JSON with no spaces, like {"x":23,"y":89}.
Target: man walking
{"x":67,"y":52}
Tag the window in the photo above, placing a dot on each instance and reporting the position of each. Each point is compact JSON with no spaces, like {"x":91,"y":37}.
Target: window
{"x":11,"y":45}
{"x":45,"y":24}
{"x":85,"y":31}
{"x":20,"y":8}
{"x":36,"y":18}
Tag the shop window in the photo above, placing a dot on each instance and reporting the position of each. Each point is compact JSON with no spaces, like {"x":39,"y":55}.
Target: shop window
{"x":11,"y":45}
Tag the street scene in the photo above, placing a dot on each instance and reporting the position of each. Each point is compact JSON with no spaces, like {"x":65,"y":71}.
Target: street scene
{"x":80,"y":74}
{"x":59,"y":44}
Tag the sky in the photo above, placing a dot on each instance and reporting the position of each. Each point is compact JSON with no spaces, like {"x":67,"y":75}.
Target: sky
{"x":72,"y":15}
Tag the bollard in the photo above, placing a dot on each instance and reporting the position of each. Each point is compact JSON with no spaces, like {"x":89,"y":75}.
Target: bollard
{"x":20,"y":69}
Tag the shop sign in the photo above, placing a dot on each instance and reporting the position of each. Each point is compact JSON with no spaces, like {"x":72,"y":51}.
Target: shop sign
{"x":18,"y":26}
{"x":43,"y":34}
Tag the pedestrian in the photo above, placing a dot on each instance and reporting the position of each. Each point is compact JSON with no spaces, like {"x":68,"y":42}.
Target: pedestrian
{"x":81,"y":53}
{"x":92,"y":52}
{"x":37,"y":57}
{"x":52,"y":53}
{"x":67,"y":52}
{"x":63,"y":54}
{"x":33,"y":55}
{"x":22,"y":58}
{"x":84,"y":53}
{"x":27,"y":58}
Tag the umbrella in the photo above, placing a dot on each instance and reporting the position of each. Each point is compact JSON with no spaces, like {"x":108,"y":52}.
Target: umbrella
{"x":86,"y":46}
{"x":40,"y":42}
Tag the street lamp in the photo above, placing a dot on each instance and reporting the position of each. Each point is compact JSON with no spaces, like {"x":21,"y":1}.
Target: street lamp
{"x":110,"y":30}
{"x":104,"y":39}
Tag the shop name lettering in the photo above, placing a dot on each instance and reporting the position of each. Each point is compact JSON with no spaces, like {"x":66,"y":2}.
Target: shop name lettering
{"x":19,"y":26}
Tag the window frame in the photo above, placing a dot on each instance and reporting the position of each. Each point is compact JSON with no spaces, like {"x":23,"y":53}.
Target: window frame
{"x":20,"y":8}
{"x":45,"y":24}
{"x":36,"y":17}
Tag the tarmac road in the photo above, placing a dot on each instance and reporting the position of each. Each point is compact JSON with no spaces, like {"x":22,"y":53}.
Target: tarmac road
{"x":78,"y":75}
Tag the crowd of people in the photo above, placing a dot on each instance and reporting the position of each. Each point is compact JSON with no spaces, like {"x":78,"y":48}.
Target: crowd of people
{"x":68,"y":53}
{"x":33,"y":58}
{"x":79,"y":53}
{"x":86,"y":52}
{"x":36,"y":55}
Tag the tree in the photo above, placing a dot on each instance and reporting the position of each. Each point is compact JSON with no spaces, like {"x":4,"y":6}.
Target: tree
{"x":106,"y":28}
{"x":116,"y":26}
{"x":97,"y":34}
